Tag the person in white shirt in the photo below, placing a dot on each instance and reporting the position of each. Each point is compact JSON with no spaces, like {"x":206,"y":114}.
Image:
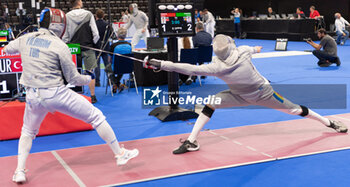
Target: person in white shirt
{"x":47,"y":61}
{"x":124,"y":18}
{"x":209,"y":22}
{"x":140,"y":20}
{"x":342,"y":33}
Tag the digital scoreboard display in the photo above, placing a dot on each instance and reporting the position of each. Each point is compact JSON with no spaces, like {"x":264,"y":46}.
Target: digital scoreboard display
{"x":176,"y":22}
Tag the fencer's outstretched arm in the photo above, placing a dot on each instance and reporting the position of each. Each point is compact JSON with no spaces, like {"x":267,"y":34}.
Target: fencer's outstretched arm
{"x":188,"y":69}
{"x":69,"y":70}
{"x":212,"y":69}
{"x":252,"y":50}
{"x":128,"y":25}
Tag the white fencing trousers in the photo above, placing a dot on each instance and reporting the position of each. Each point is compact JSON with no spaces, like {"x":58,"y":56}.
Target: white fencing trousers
{"x":210,"y":28}
{"x":40,"y":101}
{"x":265,"y":96}
{"x":137,"y":37}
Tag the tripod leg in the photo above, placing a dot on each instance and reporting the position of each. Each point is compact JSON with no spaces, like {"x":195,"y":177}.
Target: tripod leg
{"x":137,"y":91}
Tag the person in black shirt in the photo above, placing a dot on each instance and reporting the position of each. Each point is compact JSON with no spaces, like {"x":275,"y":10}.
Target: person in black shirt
{"x":328,"y":55}
{"x":201,"y":38}
{"x":103,"y":41}
{"x":300,"y":14}
{"x":270,"y":12}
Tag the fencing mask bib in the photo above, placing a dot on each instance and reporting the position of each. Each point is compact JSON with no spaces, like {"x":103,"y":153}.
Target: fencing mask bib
{"x":134,"y":9}
{"x":57,"y":22}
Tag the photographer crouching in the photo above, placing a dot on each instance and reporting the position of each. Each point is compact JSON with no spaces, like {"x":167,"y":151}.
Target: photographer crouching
{"x":328,"y":55}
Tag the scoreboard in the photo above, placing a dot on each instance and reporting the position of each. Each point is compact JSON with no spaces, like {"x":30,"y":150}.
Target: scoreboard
{"x":175,"y":20}
{"x":11,"y":71}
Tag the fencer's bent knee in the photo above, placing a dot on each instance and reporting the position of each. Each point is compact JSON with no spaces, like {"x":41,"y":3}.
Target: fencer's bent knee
{"x":294,"y":111}
{"x":96,"y":118}
{"x":28,"y":132}
{"x":208,"y":111}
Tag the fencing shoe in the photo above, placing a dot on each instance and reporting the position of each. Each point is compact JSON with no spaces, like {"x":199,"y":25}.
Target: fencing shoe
{"x":93,"y":99}
{"x":338,"y":126}
{"x":19,"y":176}
{"x":187,"y":146}
{"x":126,"y":156}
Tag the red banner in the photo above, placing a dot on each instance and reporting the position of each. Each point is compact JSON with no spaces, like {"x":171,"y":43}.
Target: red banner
{"x":13,"y":63}
{"x":10,"y":63}
{"x":16,"y":65}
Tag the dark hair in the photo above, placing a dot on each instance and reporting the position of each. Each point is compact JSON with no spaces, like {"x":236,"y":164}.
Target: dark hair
{"x":322,"y":31}
{"x":205,"y":10}
{"x":74,"y":2}
{"x":300,"y":8}
{"x":100,"y":13}
{"x":312,"y":7}
{"x":46,"y":21}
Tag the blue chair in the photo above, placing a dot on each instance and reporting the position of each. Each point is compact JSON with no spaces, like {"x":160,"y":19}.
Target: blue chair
{"x":205,"y":54}
{"x":123,"y":65}
{"x":190,"y":56}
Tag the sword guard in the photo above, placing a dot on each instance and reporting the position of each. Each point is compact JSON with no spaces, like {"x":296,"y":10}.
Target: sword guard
{"x":147,"y":65}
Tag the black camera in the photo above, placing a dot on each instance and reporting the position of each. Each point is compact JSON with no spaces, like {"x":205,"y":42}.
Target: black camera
{"x":307,"y":39}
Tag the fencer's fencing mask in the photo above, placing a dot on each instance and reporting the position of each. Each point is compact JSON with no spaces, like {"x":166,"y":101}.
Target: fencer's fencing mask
{"x":133,"y":9}
{"x":56,"y":22}
{"x":223,"y":46}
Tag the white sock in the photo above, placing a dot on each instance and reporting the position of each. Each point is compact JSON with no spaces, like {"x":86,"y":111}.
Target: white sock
{"x":107,"y":134}
{"x":201,"y":121}
{"x":24,"y":146}
{"x":315,"y":116}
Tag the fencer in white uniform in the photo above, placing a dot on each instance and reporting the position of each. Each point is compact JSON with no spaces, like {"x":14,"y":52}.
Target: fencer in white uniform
{"x":140,"y":20}
{"x":246,"y":87}
{"x":46,"y":61}
{"x":209,"y":22}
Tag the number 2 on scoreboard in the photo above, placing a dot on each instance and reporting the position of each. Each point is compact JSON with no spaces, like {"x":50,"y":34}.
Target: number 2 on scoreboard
{"x":4,"y":87}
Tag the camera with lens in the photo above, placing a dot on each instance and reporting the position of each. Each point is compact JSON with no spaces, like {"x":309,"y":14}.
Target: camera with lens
{"x":307,"y":39}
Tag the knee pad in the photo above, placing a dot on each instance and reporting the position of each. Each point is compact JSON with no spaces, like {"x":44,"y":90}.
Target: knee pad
{"x":30,"y":133}
{"x":207,"y":111}
{"x":96,"y":118}
{"x":305,"y":111}
{"x":294,"y":111}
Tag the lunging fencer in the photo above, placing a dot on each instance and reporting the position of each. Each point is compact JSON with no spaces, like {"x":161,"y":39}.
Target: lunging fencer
{"x":246,"y":87}
{"x":140,"y":20}
{"x":46,"y":61}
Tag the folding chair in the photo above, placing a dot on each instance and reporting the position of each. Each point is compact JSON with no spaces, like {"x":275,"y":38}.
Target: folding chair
{"x":205,"y":54}
{"x":190,"y":56}
{"x":123,"y":65}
